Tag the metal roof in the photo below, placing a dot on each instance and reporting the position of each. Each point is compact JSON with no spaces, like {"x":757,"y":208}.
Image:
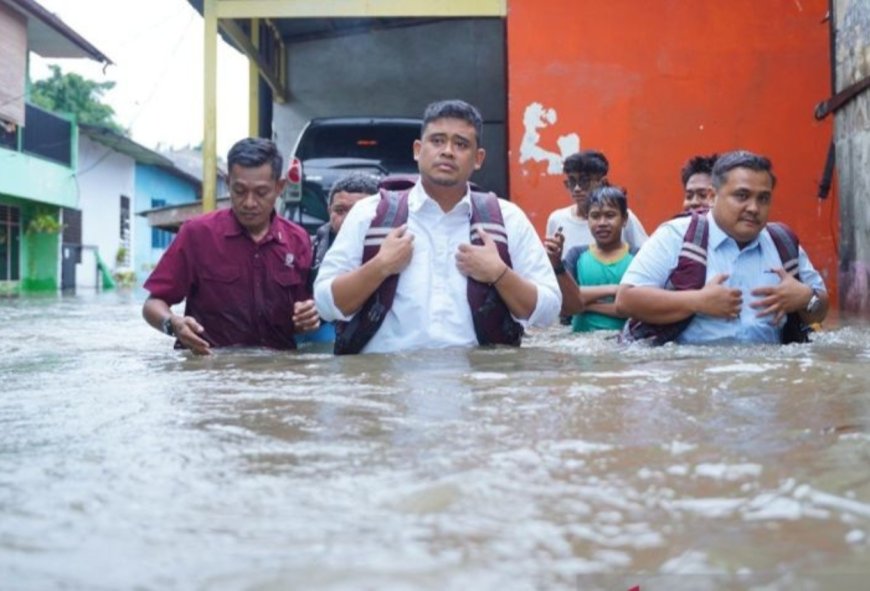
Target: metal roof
{"x":125,"y":145}
{"x":295,"y":30}
{"x":50,"y":37}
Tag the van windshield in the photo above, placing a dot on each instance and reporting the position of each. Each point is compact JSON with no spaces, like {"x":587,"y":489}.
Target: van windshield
{"x":391,"y":145}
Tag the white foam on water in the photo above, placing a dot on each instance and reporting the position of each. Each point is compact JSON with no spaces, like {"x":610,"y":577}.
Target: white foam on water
{"x":579,"y":447}
{"x":728,"y":471}
{"x":855,"y":536}
{"x":714,"y":507}
{"x":743,"y":368}
{"x":483,"y":376}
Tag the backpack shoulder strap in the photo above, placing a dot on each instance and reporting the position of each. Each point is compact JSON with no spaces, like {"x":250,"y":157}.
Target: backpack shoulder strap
{"x":690,"y":273}
{"x":392,"y":212}
{"x":486,"y":215}
{"x":493,"y":324}
{"x":691,"y":269}
{"x":787,"y":245}
{"x":352,"y":336}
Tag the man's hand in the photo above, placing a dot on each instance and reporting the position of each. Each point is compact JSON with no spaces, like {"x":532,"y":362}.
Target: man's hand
{"x":718,"y":300}
{"x":305,"y":317}
{"x":396,"y":251}
{"x":554,"y":247}
{"x":481,"y":263}
{"x":790,"y":295}
{"x":187,"y":331}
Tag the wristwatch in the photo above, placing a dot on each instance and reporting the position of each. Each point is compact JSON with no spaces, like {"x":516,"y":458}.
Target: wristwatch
{"x":559,"y":269}
{"x":167,"y":327}
{"x":815,"y":302}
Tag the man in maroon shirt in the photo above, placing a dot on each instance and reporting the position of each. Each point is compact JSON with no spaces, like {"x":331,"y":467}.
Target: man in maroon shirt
{"x":243,"y":270}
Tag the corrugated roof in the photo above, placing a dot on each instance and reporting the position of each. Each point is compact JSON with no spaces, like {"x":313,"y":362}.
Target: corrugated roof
{"x":125,"y":145}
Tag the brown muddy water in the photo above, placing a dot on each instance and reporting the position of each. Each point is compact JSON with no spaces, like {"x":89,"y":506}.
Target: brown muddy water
{"x":569,"y":464}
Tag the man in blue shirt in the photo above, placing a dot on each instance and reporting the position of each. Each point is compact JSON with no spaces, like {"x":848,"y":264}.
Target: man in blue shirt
{"x":747,"y":294}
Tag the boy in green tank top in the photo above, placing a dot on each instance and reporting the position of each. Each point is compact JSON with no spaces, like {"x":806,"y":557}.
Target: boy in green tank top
{"x":589,"y":276}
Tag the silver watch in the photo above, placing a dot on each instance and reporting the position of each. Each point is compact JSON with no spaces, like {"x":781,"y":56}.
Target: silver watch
{"x":815,"y":302}
{"x":167,"y":327}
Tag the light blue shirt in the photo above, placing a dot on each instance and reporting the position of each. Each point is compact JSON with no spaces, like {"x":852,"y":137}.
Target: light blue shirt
{"x":747,"y":269}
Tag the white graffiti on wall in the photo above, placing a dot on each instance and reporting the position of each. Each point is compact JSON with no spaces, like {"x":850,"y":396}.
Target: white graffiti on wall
{"x":535,"y":118}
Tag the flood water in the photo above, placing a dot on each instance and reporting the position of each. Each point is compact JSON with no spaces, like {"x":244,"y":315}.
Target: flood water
{"x":569,"y":464}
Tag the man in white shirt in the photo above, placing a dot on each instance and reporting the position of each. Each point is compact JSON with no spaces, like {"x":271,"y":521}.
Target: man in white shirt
{"x":432,"y":254}
{"x":584,"y":172}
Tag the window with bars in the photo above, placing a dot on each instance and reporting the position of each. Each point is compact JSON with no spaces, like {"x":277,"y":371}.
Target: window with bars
{"x":10,"y":243}
{"x":159,"y":238}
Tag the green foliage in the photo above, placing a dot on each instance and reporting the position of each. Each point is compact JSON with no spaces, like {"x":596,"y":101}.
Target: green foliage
{"x":71,"y":93}
{"x":44,"y":222}
{"x":124,"y":278}
{"x":121,"y":255}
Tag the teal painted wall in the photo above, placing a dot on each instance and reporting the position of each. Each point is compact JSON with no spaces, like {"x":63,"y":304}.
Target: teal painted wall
{"x":154,"y":183}
{"x":30,"y":177}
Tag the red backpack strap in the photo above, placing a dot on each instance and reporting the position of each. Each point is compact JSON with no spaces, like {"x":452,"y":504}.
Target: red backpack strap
{"x":787,"y":245}
{"x":691,"y":269}
{"x":352,"y":336}
{"x":493,"y":323}
{"x":690,"y":273}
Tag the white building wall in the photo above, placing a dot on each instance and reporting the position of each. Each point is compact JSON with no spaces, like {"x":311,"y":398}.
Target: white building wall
{"x":103,"y":176}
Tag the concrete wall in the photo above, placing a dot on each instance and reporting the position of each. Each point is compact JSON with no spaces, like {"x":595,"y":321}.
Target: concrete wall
{"x":397,"y":72}
{"x":653,"y":83}
{"x":103,"y":176}
{"x":852,"y":134}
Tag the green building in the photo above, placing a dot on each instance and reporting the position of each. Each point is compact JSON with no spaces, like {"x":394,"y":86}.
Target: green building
{"x":38,"y":152}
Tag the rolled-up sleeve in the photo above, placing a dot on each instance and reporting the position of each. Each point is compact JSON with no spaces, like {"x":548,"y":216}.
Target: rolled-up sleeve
{"x":345,"y":255}
{"x":530,"y":260}
{"x":653,"y":263}
{"x":808,"y":274}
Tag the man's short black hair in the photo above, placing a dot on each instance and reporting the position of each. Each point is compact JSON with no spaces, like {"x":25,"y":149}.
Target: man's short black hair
{"x":354,"y":182}
{"x":698,"y":165}
{"x":609,"y":195}
{"x":253,"y":152}
{"x":740,"y":159}
{"x":454,"y":109}
{"x":590,"y":162}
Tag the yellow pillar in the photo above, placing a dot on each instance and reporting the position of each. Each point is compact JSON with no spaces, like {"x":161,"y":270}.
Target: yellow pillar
{"x":209,"y":130}
{"x":254,"y":84}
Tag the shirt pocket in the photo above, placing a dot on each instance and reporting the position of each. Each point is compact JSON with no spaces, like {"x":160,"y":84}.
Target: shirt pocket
{"x":285,"y":287}
{"x":220,"y":287}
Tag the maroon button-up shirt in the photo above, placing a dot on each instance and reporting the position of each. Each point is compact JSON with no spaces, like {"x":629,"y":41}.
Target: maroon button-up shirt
{"x":240,"y":291}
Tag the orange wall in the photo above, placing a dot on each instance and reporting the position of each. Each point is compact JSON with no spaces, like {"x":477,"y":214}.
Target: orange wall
{"x":652,"y":83}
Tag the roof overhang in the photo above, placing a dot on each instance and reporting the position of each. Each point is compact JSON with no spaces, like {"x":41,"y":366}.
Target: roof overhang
{"x":125,"y":145}
{"x":50,"y":37}
{"x":171,"y":217}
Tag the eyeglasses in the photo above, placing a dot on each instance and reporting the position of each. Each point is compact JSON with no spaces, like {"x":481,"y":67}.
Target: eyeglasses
{"x":701,"y":194}
{"x":584,"y":182}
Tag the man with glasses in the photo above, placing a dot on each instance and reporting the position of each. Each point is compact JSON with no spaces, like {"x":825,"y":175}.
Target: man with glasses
{"x":584,"y":172}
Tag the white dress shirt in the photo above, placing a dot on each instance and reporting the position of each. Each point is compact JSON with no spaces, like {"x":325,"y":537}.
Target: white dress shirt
{"x":431,"y":307}
{"x":577,"y":233}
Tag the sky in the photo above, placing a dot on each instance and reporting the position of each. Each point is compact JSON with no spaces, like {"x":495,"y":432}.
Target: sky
{"x":157,"y":50}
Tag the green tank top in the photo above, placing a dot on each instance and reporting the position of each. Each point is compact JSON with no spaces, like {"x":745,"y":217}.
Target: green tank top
{"x":592,"y":271}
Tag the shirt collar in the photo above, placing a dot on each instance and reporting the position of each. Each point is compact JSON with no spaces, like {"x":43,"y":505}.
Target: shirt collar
{"x":717,"y":236}
{"x":232,"y":227}
{"x":418,"y":198}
